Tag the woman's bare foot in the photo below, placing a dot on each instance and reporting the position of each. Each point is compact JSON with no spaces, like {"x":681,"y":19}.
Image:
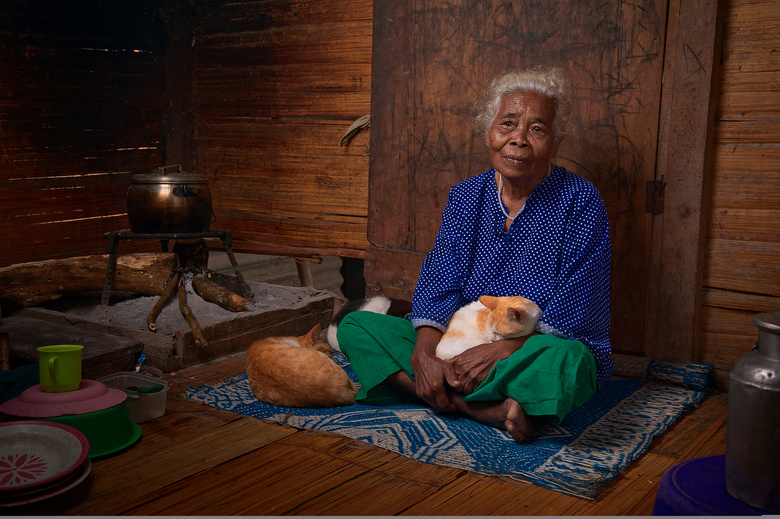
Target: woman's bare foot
{"x":517,"y":423}
{"x":507,"y":415}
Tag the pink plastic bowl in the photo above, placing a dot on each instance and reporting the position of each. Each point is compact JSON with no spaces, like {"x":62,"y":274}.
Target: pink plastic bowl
{"x":36,"y":403}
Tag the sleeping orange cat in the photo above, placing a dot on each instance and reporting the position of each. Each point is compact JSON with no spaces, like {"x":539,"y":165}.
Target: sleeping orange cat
{"x":298,"y":372}
{"x":486,"y":320}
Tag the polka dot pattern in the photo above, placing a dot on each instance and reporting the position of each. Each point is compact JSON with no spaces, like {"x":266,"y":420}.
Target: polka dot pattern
{"x":556,"y":253}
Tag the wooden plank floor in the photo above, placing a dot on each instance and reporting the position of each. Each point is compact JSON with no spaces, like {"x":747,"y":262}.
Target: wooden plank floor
{"x":197,"y":460}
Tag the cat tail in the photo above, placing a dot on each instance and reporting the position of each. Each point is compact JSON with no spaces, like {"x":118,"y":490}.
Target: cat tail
{"x":376,"y":304}
{"x":331,"y":337}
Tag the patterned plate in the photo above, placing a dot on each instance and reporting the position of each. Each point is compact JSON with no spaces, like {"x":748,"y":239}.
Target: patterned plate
{"x":9,"y":499}
{"x":34,"y":453}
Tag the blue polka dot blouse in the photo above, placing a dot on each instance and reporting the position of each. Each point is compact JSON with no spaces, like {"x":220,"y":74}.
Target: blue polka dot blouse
{"x":556,"y":253}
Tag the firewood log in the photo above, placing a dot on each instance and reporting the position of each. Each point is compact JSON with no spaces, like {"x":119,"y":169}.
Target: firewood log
{"x":29,"y":284}
{"x":216,"y":294}
{"x":186,"y":311}
{"x":160,"y":304}
{"x":228,"y":282}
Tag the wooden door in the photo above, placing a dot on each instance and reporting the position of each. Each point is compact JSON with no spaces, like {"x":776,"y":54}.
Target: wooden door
{"x":430,"y":62}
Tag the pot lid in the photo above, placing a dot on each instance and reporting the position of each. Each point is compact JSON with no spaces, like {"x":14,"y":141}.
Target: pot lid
{"x":90,"y":396}
{"x":168,"y":175}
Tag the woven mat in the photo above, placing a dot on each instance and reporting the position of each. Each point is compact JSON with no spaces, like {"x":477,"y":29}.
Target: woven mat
{"x":589,"y":448}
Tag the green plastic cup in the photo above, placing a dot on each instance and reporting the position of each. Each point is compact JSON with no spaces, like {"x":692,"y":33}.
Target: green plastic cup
{"x":60,"y":367}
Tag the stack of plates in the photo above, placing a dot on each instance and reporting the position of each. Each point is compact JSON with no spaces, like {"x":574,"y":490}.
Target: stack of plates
{"x":39,"y":460}
{"x":97,"y":411}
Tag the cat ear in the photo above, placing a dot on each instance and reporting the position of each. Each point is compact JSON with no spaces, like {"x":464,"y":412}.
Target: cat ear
{"x":314,"y":334}
{"x":513,"y":314}
{"x":489,"y":301}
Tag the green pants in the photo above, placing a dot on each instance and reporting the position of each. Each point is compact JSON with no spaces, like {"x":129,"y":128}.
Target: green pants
{"x":548,"y":376}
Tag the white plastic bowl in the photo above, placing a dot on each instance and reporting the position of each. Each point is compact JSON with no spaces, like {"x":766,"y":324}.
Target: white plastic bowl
{"x":142,"y":405}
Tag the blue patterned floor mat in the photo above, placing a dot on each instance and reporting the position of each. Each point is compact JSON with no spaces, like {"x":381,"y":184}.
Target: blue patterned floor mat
{"x":589,"y":448}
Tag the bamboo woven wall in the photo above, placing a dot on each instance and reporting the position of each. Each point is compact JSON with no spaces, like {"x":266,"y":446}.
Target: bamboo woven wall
{"x":81,"y":93}
{"x":742,"y":253}
{"x":254,"y":95}
{"x":276,"y":85}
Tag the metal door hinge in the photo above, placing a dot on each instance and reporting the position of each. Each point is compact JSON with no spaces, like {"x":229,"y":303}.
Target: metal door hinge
{"x":654,"y":196}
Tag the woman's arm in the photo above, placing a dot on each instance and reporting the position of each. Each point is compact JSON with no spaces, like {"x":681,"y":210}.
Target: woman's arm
{"x":472,"y":367}
{"x":430,"y":372}
{"x":580,"y":307}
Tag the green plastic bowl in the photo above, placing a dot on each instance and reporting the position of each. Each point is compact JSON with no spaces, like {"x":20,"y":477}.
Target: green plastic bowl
{"x":108,"y":431}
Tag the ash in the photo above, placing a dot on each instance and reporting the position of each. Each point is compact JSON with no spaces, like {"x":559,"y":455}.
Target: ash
{"x":132,"y":313}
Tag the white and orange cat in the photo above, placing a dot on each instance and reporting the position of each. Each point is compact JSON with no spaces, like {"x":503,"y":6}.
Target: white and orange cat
{"x":298,"y":372}
{"x":488,"y":319}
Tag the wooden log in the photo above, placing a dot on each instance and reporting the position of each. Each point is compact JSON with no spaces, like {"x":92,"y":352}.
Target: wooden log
{"x":160,"y":304}
{"x":227,"y":282}
{"x":29,"y":284}
{"x":186,"y":311}
{"x":213,"y":293}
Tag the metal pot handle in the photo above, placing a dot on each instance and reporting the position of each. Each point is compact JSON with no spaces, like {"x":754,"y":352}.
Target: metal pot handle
{"x":162,"y":170}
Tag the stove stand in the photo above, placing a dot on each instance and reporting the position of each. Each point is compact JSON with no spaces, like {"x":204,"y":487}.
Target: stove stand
{"x":114,"y":238}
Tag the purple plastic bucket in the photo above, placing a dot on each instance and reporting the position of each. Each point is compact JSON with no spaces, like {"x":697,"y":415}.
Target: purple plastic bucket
{"x":698,"y":487}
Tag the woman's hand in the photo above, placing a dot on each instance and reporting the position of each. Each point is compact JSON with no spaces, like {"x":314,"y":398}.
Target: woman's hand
{"x":430,"y":372}
{"x":472,"y":367}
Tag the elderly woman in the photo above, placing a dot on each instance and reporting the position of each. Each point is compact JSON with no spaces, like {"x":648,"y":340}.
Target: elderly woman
{"x":526,"y":227}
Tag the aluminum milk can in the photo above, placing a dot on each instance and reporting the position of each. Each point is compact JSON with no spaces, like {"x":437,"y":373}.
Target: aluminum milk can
{"x":753,"y":434}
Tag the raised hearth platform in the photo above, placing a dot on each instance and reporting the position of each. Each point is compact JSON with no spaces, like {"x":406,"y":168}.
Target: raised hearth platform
{"x":120,"y":333}
{"x":102,"y":354}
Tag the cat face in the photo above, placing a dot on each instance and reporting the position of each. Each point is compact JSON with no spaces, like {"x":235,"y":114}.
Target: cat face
{"x":511,"y":316}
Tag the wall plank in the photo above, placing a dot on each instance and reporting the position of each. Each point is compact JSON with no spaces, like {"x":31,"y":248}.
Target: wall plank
{"x":740,"y":265}
{"x":276,"y":85}
{"x":728,"y":334}
{"x":743,"y":265}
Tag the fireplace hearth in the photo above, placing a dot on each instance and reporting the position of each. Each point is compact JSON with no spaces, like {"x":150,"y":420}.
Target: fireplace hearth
{"x":117,"y":334}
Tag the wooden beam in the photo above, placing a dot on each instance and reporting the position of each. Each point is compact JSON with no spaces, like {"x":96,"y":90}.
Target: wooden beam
{"x":305,"y":278}
{"x":278,"y":249}
{"x":684,"y":158}
{"x":178,"y":121}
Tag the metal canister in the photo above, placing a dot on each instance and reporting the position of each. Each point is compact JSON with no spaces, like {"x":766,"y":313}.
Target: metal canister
{"x":753,"y":434}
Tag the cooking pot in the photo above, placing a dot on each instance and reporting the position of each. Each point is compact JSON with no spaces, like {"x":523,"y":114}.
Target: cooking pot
{"x":169,"y":202}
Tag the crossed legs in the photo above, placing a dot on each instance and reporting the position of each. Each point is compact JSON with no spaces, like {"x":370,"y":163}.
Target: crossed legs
{"x":507,"y":414}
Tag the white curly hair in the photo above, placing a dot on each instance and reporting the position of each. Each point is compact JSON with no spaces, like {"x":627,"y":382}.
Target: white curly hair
{"x":547,"y":81}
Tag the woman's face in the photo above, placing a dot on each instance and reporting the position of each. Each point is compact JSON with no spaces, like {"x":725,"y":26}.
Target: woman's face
{"x":521,"y":139}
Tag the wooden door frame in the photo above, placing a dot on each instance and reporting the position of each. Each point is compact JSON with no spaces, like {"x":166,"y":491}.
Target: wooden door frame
{"x":684,"y":162}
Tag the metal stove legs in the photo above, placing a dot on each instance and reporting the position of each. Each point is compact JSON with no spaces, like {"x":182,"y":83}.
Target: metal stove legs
{"x":113,"y":243}
{"x":227,"y":241}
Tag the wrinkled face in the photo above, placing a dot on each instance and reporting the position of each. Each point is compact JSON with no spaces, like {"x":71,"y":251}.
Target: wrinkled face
{"x":521,"y":140}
